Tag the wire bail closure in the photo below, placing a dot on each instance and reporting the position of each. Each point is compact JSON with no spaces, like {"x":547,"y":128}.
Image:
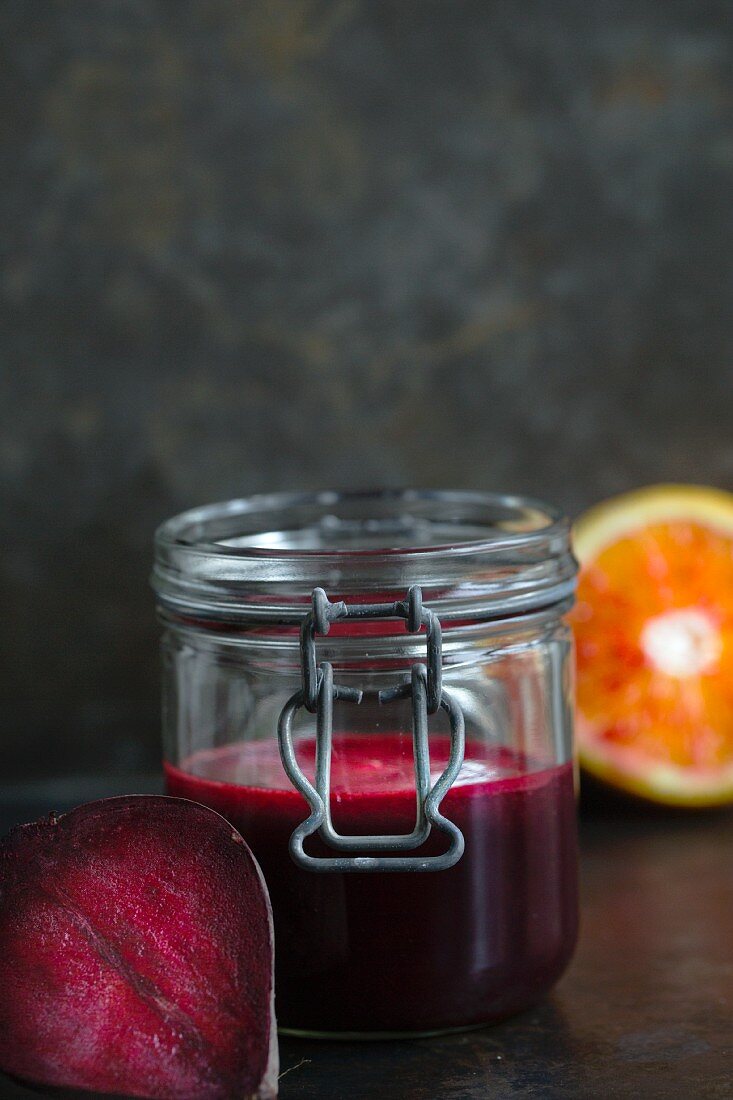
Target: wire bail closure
{"x":318,"y":694}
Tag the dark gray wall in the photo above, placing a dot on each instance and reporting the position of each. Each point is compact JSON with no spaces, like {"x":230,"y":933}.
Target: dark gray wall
{"x":254,"y":245}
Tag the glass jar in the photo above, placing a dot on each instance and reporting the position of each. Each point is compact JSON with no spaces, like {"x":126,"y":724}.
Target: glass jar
{"x":452,"y":900}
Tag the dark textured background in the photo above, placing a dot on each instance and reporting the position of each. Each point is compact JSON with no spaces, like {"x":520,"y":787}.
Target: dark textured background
{"x":292,"y":243}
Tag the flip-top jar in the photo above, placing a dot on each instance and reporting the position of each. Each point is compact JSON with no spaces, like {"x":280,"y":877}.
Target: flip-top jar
{"x":375,"y":689}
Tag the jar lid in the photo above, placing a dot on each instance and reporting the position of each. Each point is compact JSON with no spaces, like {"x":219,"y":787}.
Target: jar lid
{"x":475,"y":555}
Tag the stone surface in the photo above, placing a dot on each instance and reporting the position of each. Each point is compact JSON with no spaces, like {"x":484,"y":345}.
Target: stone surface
{"x":308,"y":243}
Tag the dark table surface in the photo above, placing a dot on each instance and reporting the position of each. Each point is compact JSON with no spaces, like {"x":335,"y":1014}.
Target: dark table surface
{"x":645,"y":1010}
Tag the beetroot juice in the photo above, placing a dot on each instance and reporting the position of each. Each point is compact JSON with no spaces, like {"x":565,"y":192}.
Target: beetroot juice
{"x":408,"y":951}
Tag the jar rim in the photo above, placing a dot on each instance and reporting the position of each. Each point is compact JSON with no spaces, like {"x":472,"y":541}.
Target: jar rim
{"x":259,"y":557}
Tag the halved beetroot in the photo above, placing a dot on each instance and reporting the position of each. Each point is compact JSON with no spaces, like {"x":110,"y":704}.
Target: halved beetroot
{"x":136,"y":954}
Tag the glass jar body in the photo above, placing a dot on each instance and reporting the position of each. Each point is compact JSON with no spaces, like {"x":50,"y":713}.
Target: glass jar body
{"x":405,"y":952}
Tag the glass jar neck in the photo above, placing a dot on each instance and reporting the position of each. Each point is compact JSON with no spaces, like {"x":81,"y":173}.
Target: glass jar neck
{"x":255,"y":562}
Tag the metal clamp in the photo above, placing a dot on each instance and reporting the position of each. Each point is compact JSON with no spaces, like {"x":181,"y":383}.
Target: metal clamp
{"x":428,"y":695}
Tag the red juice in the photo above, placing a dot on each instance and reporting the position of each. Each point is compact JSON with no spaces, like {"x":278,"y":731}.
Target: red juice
{"x":406,"y":952}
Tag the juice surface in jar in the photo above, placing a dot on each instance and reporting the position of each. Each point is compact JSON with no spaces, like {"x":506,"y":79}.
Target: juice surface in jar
{"x":406,"y":952}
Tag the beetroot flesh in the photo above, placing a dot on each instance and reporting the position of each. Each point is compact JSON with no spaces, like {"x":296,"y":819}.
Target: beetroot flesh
{"x":136,"y":954}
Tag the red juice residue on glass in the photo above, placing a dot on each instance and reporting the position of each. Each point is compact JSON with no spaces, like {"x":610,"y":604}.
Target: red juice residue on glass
{"x":406,"y":951}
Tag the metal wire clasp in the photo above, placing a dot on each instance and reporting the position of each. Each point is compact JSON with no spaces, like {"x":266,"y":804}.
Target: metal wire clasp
{"x":428,"y":695}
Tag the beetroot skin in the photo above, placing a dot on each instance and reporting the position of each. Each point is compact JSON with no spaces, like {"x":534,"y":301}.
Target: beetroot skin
{"x":136,"y":954}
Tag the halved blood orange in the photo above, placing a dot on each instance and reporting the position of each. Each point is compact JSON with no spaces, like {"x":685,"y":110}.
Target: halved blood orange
{"x":654,"y":637}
